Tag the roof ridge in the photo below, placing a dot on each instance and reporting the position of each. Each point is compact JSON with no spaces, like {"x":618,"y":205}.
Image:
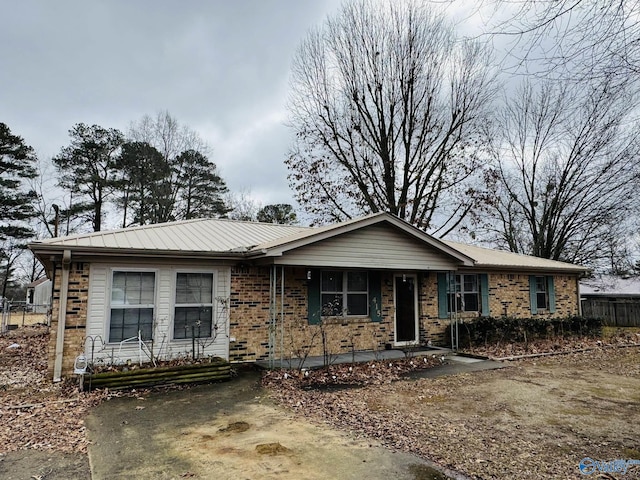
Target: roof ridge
{"x":153,"y":226}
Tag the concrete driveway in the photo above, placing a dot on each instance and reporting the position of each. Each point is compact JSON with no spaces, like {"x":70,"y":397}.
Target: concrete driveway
{"x":229,"y":431}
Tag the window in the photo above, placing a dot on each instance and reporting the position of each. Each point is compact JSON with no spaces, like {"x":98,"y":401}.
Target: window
{"x":541,"y":293}
{"x":344,"y":293}
{"x":132,"y":304}
{"x":194,"y":305}
{"x":464,"y":293}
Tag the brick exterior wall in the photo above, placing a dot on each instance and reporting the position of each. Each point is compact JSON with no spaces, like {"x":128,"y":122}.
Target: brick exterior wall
{"x":76,"y":319}
{"x":509,"y":296}
{"x":250,"y":314}
{"x":249,"y":318}
{"x":432,"y":328}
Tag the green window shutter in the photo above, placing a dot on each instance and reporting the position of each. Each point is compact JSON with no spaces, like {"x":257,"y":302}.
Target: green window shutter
{"x":314,"y":308}
{"x":443,"y":311}
{"x":552,"y":294}
{"x":484,"y":293}
{"x":532,"y":294}
{"x":375,"y":296}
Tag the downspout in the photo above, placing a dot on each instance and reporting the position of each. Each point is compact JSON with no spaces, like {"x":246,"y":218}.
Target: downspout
{"x":273,"y":302}
{"x":62,"y":315}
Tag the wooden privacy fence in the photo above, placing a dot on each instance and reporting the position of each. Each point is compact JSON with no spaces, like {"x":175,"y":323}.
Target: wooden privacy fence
{"x":616,"y":312}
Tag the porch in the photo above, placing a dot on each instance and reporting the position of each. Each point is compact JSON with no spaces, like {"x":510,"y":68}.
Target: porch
{"x":312,"y":362}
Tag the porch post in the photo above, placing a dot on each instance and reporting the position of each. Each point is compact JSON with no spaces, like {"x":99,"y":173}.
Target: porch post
{"x":272,"y":313}
{"x":281,"y":316}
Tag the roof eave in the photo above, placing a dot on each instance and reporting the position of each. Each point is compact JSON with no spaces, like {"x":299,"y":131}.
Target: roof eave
{"x":42,"y":250}
{"x":533,"y":268}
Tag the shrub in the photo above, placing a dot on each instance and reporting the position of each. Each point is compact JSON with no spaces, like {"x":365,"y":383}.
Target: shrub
{"x":485,"y":330}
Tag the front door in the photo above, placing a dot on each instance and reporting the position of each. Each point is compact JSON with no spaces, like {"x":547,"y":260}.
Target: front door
{"x":406,"y":302}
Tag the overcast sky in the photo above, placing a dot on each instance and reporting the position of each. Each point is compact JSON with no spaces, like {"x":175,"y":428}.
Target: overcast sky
{"x":219,"y":67}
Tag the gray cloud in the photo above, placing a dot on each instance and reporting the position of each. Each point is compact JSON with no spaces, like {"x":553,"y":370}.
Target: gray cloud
{"x":219,"y":67}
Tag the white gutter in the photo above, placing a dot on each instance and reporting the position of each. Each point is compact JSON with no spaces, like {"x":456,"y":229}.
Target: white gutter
{"x":62,"y":315}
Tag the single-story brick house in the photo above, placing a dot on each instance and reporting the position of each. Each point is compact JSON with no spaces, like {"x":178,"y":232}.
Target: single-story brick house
{"x":249,"y":291}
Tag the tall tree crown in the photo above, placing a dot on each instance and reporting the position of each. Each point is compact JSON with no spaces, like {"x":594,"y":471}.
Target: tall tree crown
{"x":386,"y":107}
{"x":17,"y":163}
{"x":86,"y":168}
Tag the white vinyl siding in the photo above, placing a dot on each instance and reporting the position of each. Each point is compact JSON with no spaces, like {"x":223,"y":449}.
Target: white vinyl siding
{"x":374,"y":247}
{"x":98,"y":311}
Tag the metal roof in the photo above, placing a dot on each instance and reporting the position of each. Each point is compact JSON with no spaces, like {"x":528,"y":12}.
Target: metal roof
{"x":487,"y":257}
{"x":232,"y":237}
{"x":201,"y":235}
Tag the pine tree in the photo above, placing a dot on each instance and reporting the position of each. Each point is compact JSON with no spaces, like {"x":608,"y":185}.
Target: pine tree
{"x":17,"y":163}
{"x":201,"y":187}
{"x":87,"y":169}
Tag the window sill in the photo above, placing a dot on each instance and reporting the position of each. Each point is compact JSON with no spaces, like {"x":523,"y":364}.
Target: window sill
{"x":131,"y":343}
{"x":346,"y":320}
{"x":188,"y":340}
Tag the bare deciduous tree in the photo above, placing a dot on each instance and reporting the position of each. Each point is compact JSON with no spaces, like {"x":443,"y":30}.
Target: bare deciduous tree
{"x":178,"y":144}
{"x":386,"y":107}
{"x":566,"y":170}
{"x":571,"y":39}
{"x":241,"y":206}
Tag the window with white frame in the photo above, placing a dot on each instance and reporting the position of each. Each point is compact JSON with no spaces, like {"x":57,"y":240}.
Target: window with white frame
{"x":344,"y":293}
{"x":542,"y":295}
{"x":464,"y":293}
{"x":193,"y":315}
{"x":132,"y":305}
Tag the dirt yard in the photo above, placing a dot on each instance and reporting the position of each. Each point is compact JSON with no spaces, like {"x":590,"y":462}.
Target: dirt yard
{"x":534,"y":420}
{"x":230,"y":431}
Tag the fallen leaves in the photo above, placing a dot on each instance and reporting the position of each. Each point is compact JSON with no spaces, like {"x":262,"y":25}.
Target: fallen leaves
{"x":554,"y":345}
{"x":458,"y":422}
{"x":35,"y":413}
{"x":349,"y":375}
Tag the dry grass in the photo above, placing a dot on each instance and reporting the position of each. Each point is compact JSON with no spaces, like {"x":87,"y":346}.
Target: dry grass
{"x":535,"y":420}
{"x":34,"y":412}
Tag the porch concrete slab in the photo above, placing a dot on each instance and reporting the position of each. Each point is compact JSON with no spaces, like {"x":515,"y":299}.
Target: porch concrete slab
{"x":356,"y":357}
{"x":462,"y":359}
{"x":453,"y":364}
